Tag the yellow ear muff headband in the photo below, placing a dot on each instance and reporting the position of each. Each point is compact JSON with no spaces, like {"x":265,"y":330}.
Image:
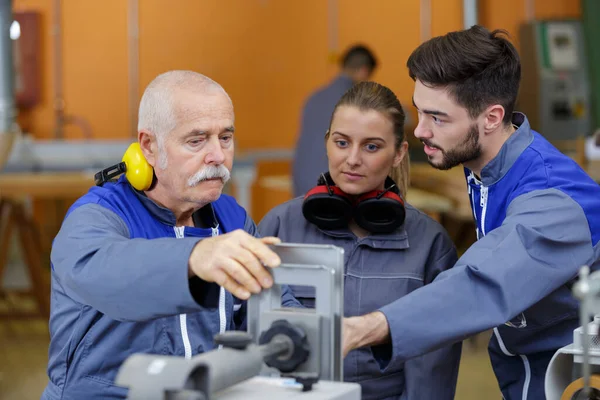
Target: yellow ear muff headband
{"x":135,"y":167}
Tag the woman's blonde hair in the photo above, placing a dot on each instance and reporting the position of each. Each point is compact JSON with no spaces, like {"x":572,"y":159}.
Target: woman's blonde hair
{"x":368,"y":96}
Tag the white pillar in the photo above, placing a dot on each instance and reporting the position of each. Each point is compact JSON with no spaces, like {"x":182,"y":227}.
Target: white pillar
{"x":243,"y":176}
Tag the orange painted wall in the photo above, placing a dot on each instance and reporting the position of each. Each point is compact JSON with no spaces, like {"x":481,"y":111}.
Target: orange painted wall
{"x":391,"y":28}
{"x":95,"y":65}
{"x":94,"y":46}
{"x":558,"y":9}
{"x":510,"y":14}
{"x":268,"y":54}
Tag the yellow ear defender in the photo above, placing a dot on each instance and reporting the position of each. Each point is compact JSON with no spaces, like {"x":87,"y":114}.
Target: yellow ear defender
{"x":138,"y":172}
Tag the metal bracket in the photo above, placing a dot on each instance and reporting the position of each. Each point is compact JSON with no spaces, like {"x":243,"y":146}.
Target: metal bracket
{"x":321,"y":266}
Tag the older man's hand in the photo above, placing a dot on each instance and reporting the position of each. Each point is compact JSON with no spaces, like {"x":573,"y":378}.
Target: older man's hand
{"x":235,"y":261}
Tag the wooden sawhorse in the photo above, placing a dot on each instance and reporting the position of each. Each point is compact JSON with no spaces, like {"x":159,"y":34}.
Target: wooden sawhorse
{"x":15,"y":189}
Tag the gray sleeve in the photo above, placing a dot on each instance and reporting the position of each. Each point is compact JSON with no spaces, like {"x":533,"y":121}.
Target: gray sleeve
{"x":97,"y":264}
{"x":269,"y":225}
{"x":540,"y":246}
{"x":434,"y":375}
{"x":250,"y":226}
{"x":442,"y":254}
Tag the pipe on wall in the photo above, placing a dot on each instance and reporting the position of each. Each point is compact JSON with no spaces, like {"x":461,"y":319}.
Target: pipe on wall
{"x":8,"y":110}
{"x":333,"y":48}
{"x":425,"y":20}
{"x":529,"y":10}
{"x":470,"y":13}
{"x":133,"y":33}
{"x":61,"y":118}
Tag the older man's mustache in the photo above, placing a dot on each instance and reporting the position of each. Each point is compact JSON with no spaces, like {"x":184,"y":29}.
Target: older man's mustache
{"x":210,"y":172}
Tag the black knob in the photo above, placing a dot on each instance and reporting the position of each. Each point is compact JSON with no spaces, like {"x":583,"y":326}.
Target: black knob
{"x":300,"y":351}
{"x":233,"y":339}
{"x":307,"y":381}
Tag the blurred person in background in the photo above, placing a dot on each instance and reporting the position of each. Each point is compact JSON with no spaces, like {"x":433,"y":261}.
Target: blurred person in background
{"x":358,"y":64}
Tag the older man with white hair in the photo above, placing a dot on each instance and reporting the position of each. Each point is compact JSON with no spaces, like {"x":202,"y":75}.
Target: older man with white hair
{"x":161,"y":270}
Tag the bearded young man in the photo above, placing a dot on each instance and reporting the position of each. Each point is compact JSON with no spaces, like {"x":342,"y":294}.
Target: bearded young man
{"x":537,"y":214}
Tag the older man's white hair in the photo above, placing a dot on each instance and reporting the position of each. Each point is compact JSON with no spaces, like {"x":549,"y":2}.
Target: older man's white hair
{"x":157,"y":113}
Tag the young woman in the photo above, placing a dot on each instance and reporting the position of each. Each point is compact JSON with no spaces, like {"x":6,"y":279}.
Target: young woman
{"x":390,"y":248}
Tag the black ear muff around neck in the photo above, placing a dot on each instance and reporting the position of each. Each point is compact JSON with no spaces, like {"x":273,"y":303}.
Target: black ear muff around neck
{"x":327,"y":207}
{"x":380,"y":212}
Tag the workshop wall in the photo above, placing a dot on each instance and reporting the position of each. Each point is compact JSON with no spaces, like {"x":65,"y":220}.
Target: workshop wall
{"x":268,"y":54}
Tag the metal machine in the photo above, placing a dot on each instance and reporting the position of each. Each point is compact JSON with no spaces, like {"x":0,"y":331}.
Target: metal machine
{"x":287,"y":352}
{"x":554,"y":91}
{"x":574,"y":371}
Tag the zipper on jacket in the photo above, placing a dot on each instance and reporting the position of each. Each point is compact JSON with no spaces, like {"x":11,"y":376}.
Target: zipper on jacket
{"x":179,"y":232}
{"x":222,"y":313}
{"x":483,"y":199}
{"x":483,"y":203}
{"x":471,"y":178}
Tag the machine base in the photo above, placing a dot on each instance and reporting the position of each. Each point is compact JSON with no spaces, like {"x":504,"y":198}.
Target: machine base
{"x":260,"y":388}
